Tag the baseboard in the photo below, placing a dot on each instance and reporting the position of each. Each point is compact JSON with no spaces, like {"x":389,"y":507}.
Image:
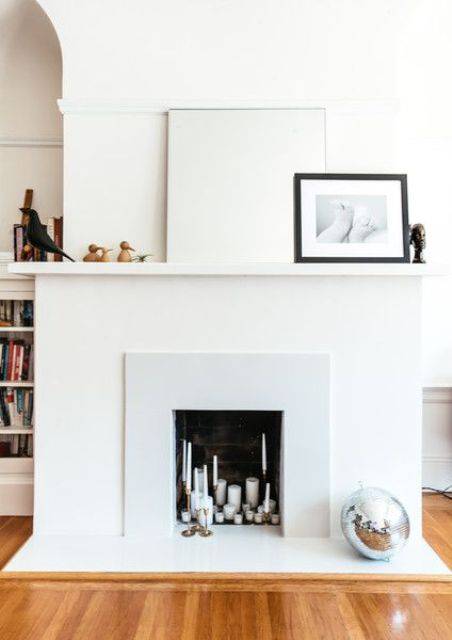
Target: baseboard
{"x":436,"y":471}
{"x":16,"y":499}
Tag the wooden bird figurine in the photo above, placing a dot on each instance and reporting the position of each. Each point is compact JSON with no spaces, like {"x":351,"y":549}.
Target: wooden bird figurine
{"x":104,"y":257}
{"x":92,"y":255}
{"x":124,"y":254}
{"x":37,"y":235}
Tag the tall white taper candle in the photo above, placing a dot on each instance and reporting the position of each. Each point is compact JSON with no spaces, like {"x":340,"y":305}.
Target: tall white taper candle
{"x":205,"y":489}
{"x":264,"y":454}
{"x":196,"y":493}
{"x":184,"y":460}
{"x":215,"y":471}
{"x":267,"y":498}
{"x":188,"y":469}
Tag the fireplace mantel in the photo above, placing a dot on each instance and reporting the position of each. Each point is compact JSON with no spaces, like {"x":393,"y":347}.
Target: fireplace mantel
{"x":244,"y":269}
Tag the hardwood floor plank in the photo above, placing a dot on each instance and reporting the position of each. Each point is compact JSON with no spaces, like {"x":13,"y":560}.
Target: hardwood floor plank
{"x":435,"y":531}
{"x":13,"y":533}
{"x":349,"y":618}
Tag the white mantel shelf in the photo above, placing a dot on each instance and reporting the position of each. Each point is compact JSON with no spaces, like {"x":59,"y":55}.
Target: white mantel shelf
{"x":244,"y":269}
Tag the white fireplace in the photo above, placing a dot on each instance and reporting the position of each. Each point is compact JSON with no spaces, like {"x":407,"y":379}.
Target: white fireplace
{"x":334,"y":348}
{"x":160,"y":384}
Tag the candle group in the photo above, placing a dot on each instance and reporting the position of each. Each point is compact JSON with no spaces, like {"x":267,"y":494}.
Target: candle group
{"x":228,"y":498}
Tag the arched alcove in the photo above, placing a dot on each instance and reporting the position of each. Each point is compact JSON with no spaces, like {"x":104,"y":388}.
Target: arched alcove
{"x":31,"y":131}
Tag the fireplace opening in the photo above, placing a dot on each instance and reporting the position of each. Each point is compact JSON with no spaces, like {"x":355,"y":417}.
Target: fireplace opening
{"x":247,"y":447}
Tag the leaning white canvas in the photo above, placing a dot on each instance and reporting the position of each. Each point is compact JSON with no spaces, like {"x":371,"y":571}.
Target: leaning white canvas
{"x":230,"y":181}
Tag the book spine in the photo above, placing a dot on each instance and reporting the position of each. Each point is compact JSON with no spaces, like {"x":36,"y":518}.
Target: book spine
{"x":11,"y":351}
{"x":58,"y":222}
{"x":51,"y":232}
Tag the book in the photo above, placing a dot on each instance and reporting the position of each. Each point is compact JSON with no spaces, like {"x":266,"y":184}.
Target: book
{"x":16,"y":407}
{"x":17,"y":313}
{"x":16,"y":360}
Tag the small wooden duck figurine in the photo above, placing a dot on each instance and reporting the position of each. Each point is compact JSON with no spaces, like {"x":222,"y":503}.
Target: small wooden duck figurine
{"x":92,"y":256}
{"x":124,"y":254}
{"x":104,"y":257}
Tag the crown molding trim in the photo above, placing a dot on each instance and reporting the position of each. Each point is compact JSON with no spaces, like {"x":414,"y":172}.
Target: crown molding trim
{"x":162,"y":106}
{"x":437,"y":395}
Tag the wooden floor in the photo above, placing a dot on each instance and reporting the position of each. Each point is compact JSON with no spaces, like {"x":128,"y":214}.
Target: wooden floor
{"x":195,"y":607}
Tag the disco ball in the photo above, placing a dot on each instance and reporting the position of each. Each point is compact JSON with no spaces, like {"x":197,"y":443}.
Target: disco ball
{"x":375,"y":523}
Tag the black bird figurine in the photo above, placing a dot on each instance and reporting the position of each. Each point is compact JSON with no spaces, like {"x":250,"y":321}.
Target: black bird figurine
{"x":37,"y":235}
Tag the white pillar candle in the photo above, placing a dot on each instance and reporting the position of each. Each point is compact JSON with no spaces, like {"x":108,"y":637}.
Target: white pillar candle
{"x":264,"y":454}
{"x":238,"y":518}
{"x":249,"y":515}
{"x":272,"y":505}
{"x":184,"y":460}
{"x":198,"y":471}
{"x":267,"y":498}
{"x":205,"y":488}
{"x":275,"y":518}
{"x":220,"y":493}
{"x":252,"y":492}
{"x":258,"y":518}
{"x":188,"y":469}
{"x":229,"y":511}
{"x":219,"y":517}
{"x":235,"y":495}
{"x":215,"y":471}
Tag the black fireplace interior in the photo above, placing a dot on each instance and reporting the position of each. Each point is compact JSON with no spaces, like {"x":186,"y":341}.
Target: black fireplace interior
{"x":236,"y":438}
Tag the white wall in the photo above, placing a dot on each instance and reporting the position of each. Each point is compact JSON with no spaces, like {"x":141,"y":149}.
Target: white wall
{"x":379,"y":68}
{"x":30,"y":122}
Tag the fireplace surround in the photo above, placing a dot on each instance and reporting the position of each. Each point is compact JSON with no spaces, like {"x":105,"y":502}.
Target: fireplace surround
{"x":230,"y":392}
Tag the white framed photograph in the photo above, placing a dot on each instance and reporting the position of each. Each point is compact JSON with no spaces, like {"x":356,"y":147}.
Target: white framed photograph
{"x":351,"y":218}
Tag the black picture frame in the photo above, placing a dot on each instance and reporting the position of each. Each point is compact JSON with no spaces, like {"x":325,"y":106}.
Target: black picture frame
{"x":298,"y":177}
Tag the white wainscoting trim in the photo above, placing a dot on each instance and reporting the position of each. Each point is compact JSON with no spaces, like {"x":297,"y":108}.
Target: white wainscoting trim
{"x":17,"y":143}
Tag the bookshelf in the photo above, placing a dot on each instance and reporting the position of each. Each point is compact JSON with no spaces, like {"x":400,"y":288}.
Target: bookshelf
{"x":16,"y":468}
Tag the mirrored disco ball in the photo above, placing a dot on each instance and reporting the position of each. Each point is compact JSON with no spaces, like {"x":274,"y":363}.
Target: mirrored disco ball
{"x":375,"y":523}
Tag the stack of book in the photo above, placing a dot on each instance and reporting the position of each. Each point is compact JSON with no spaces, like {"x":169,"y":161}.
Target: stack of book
{"x":16,"y":360}
{"x":16,"y":445}
{"x":16,"y":407}
{"x":16,"y":313}
{"x":54,"y":229}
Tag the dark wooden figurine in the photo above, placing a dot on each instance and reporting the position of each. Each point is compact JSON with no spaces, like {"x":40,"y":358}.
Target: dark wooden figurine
{"x":417,"y":239}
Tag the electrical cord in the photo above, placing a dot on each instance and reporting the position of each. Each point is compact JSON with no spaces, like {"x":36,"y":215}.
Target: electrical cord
{"x":442,"y":492}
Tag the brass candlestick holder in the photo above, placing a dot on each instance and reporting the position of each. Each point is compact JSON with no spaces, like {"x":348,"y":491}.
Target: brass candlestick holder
{"x":189,"y":531}
{"x":205,"y":531}
{"x":197,"y":528}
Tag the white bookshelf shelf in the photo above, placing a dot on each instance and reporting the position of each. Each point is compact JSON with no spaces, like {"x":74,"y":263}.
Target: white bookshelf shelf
{"x":16,"y":465}
{"x":17,"y":329}
{"x":16,"y":383}
{"x":16,"y":431}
